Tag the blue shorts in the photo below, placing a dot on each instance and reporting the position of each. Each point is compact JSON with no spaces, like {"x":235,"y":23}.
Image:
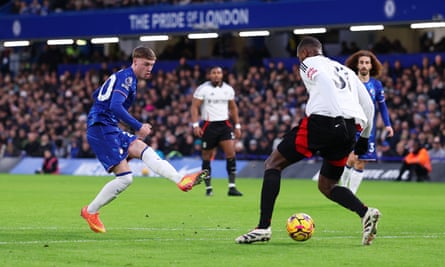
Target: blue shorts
{"x":109,"y":143}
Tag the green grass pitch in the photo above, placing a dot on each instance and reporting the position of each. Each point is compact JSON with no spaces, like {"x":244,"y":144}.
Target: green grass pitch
{"x":153,"y":223}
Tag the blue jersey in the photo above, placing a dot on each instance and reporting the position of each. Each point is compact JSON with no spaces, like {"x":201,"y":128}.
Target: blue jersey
{"x":111,"y":103}
{"x":375,"y":90}
{"x":113,"y":99}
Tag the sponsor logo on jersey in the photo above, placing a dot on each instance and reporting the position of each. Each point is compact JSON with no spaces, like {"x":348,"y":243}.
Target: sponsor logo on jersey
{"x":311,"y":72}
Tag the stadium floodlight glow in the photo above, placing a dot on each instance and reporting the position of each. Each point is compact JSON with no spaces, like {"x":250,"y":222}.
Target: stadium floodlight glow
{"x":208,"y":35}
{"x":427,"y":25}
{"x":16,"y":43}
{"x":60,"y":42}
{"x":361,"y":28}
{"x":309,"y":31}
{"x":254,"y":33}
{"x":105,"y":40}
{"x":151,"y":38}
{"x":81,"y":42}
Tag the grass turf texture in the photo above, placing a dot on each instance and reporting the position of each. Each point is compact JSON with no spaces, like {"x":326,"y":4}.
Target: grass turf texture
{"x":155,"y":224}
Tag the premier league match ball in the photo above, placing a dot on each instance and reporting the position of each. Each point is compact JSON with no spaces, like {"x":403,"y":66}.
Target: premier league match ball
{"x":300,"y":226}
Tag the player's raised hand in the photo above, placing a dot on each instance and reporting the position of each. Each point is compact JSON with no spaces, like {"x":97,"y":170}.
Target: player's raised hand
{"x":144,"y":131}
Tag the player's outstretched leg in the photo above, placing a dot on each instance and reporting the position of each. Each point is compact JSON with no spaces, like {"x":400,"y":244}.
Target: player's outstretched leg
{"x":190,"y":180}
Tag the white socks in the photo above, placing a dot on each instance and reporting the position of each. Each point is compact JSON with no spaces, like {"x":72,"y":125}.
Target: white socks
{"x":344,"y":180}
{"x":160,"y":166}
{"x":315,"y":177}
{"x":110,"y":191}
{"x":113,"y":188}
{"x":351,"y":178}
{"x":355,"y":180}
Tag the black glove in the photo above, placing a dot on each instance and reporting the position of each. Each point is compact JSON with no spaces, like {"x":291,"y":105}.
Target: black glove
{"x":361,"y":147}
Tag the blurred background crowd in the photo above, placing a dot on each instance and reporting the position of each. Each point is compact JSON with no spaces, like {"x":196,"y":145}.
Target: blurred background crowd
{"x":39,"y":7}
{"x":43,"y":108}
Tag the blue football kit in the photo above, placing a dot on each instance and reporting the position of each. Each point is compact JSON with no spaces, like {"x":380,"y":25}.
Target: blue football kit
{"x":377,"y":94}
{"x":111,"y":103}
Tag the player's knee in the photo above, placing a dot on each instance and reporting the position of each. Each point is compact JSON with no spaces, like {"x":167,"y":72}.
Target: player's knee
{"x":325,"y":186}
{"x":275,"y":161}
{"x":126,"y":179}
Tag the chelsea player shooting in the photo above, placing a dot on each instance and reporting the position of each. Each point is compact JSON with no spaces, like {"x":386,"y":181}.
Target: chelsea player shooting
{"x":115,"y":147}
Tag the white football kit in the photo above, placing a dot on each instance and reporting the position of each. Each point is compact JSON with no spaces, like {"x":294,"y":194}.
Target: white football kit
{"x":349,"y":100}
{"x":215,"y":105}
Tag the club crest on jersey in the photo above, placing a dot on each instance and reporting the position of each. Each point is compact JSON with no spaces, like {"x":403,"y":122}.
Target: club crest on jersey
{"x":311,"y":72}
{"x":127,"y":83}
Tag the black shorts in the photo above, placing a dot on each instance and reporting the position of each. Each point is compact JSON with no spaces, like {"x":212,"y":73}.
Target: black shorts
{"x":333,"y":138}
{"x":215,"y":132}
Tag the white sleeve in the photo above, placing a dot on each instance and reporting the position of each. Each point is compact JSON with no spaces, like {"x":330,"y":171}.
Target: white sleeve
{"x":199,"y":92}
{"x":368,"y":107}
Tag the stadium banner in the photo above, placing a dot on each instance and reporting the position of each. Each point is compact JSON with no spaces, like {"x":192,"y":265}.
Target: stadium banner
{"x":251,"y":15}
{"x":245,"y":169}
{"x":92,"y":167}
{"x":373,"y":171}
{"x":7,"y":163}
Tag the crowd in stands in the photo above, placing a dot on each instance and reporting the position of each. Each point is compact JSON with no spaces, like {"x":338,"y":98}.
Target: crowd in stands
{"x":44,"y":7}
{"x":43,"y":109}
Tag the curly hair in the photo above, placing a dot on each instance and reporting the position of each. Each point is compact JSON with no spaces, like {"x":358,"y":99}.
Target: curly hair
{"x":352,"y":62}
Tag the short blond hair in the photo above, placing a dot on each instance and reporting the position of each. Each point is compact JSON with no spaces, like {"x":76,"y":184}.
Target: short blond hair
{"x":144,"y":52}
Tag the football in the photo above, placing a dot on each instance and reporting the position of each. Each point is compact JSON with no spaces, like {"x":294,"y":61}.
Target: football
{"x":300,"y":226}
{"x":145,"y":171}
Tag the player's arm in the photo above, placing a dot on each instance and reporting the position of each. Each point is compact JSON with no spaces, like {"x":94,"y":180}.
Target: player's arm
{"x":384,"y":109}
{"x":196,"y":103}
{"x":367,"y":106}
{"x":233,"y":112}
{"x":384,"y":113}
{"x":118,"y":109}
{"x":380,"y":99}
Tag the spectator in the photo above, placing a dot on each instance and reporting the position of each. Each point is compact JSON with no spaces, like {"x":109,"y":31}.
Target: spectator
{"x":50,"y":163}
{"x":252,"y":148}
{"x":416,"y":162}
{"x":46,"y":144}
{"x":60,"y":149}
{"x":85,"y":151}
{"x":32,"y":145}
{"x":437,"y":152}
{"x":11,"y":150}
{"x":183,"y":65}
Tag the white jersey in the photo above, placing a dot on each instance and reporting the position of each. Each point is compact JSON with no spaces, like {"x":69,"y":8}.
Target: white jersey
{"x":335,"y":90}
{"x":215,"y":105}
